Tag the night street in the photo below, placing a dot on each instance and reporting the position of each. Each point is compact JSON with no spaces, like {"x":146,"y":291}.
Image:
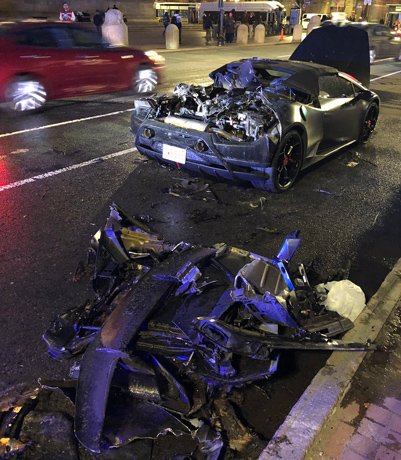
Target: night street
{"x":61,"y":169}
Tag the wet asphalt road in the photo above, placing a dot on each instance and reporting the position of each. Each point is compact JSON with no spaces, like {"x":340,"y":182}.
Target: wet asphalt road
{"x":46,"y":224}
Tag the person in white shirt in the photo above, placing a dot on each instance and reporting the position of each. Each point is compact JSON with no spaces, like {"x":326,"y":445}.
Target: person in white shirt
{"x":66,"y":14}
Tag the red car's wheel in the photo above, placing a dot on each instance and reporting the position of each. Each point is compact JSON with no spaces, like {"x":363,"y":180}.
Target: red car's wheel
{"x":25,"y":94}
{"x":145,"y":80}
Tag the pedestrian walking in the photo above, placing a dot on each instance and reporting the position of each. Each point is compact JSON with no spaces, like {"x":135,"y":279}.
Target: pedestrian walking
{"x":207,"y":27}
{"x":178,"y":22}
{"x":251,"y":25}
{"x":229,"y":27}
{"x":66,"y":14}
{"x":98,"y":20}
{"x":166,"y":21}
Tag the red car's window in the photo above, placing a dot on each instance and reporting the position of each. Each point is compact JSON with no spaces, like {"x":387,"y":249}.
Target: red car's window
{"x":36,"y":37}
{"x":4,"y":30}
{"x":81,"y":38}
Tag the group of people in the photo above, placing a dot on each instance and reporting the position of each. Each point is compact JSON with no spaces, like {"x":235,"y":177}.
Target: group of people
{"x":67,"y":15}
{"x":175,"y":19}
{"x":229,"y":25}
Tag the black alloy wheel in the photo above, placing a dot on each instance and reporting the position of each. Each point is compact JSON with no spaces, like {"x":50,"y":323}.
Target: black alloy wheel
{"x":369,"y":123}
{"x":287,"y":162}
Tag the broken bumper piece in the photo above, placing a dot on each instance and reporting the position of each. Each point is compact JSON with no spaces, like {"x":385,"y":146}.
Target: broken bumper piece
{"x":173,"y":328}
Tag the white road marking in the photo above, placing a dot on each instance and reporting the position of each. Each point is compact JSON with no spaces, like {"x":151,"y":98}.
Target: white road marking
{"x":387,"y":75}
{"x":56,"y":172}
{"x":384,"y":59}
{"x":77,"y":120}
{"x":14,"y":152}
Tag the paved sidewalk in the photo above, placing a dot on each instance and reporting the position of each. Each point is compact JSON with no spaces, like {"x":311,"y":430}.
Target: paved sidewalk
{"x":352,"y":408}
{"x":148,"y":34}
{"x":151,"y":37}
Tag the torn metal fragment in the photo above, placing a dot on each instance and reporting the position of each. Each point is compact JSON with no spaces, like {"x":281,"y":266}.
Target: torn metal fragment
{"x":165,"y":337}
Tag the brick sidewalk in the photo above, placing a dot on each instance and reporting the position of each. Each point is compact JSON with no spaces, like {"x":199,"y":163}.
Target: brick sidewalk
{"x":367,"y":425}
{"x":378,"y":435}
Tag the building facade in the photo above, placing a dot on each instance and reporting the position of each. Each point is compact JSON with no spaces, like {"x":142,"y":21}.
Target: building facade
{"x":144,"y":9}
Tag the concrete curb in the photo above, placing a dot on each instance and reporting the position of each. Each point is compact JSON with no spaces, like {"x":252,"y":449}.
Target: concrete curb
{"x":299,"y":430}
{"x":210,"y":47}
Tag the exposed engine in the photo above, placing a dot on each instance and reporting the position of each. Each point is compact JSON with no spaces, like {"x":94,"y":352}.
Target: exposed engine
{"x":237,"y":114}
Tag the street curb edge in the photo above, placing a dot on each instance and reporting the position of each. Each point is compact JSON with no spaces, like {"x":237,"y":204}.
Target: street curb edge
{"x":299,"y":430}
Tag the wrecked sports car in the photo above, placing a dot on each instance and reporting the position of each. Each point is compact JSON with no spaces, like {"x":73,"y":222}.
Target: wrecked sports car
{"x":174,"y":328}
{"x":264,"y":120}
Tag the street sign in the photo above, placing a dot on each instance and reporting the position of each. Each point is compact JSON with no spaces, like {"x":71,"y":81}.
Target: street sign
{"x":295,"y":15}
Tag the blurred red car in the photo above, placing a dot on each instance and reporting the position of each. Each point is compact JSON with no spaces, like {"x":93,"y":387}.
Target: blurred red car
{"x":44,"y":60}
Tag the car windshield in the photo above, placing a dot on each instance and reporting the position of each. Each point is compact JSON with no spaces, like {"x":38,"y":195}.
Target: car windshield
{"x":268,"y":75}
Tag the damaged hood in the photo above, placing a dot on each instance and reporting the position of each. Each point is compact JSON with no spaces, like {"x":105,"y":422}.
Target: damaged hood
{"x":345,"y":48}
{"x":239,"y":74}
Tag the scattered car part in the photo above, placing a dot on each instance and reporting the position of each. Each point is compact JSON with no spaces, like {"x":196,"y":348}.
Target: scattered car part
{"x":345,"y":48}
{"x":15,"y":403}
{"x":169,"y":336}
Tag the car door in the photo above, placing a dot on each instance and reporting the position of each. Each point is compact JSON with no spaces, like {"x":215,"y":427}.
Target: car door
{"x":99,"y":64}
{"x":341,"y":123}
{"x":37,"y":51}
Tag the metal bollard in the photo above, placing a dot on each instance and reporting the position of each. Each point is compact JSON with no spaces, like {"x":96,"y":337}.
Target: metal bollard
{"x":172,"y":37}
{"x":242,"y":34}
{"x":260,"y":33}
{"x":297,"y":33}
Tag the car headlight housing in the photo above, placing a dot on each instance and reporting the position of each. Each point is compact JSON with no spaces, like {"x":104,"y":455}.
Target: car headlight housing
{"x":156,"y":58}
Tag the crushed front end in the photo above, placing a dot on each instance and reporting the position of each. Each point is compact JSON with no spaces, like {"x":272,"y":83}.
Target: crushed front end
{"x":228,"y":129}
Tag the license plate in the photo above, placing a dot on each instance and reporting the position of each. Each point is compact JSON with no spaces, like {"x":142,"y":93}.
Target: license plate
{"x":176,"y":154}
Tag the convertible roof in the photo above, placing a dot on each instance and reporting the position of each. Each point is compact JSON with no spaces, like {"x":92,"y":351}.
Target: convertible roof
{"x":295,"y":66}
{"x":302,"y":76}
{"x":345,"y":48}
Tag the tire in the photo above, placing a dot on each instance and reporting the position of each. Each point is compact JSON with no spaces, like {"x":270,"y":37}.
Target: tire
{"x":26,"y":94}
{"x":145,"y":80}
{"x":286,"y":164}
{"x":369,"y":123}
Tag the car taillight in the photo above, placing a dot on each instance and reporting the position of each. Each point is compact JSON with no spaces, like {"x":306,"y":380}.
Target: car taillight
{"x":350,"y":77}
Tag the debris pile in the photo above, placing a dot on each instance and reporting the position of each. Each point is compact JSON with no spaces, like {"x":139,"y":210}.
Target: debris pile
{"x":174,"y":330}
